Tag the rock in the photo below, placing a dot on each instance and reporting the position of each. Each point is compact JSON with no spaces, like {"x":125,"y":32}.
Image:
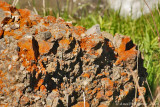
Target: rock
{"x":15,"y":57}
{"x":2,"y":16}
{"x":28,"y":49}
{"x":52,"y":99}
{"x":81,"y":104}
{"x":47,"y":62}
{"x":24,"y":100}
{"x":107,"y":36}
{"x":1,"y":32}
{"x":45,"y":35}
{"x":94,"y":29}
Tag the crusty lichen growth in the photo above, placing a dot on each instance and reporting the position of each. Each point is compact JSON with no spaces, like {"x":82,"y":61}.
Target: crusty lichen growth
{"x":44,"y":61}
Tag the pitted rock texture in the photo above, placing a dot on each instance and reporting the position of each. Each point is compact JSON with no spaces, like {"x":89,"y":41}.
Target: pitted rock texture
{"x":49,"y":62}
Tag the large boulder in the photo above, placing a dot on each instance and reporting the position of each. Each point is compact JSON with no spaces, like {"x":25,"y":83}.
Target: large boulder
{"x":49,"y":62}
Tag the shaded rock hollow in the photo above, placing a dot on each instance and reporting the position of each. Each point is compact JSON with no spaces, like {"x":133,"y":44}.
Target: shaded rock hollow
{"x":46,"y":61}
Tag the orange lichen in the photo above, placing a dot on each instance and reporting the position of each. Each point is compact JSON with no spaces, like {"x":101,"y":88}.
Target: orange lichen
{"x":29,"y":23}
{"x":123,"y":53}
{"x":7,"y":13}
{"x":94,"y":91}
{"x":6,"y":92}
{"x":26,"y":49}
{"x":3,"y":105}
{"x":79,"y":30}
{"x":43,"y":29}
{"x":64,"y":42}
{"x":126,"y":55}
{"x":62,"y":85}
{"x":81,"y":104}
{"x":86,"y":75}
{"x":109,"y":93}
{"x":116,"y":82}
{"x":34,"y":22}
{"x":40,"y":82}
{"x":51,"y":19}
{"x":126,"y":92}
{"x":36,"y":31}
{"x":100,"y":94}
{"x":35,"y":56}
{"x":124,"y":42}
{"x":87,"y":43}
{"x":106,"y":74}
{"x":44,"y":47}
{"x":45,"y":24}
{"x":12,"y":33}
{"x":2,"y":74}
{"x":95,"y":82}
{"x":24,"y":13}
{"x":141,"y":91}
{"x":89,"y":91}
{"x":4,"y":6}
{"x":22,"y":23}
{"x":125,"y":79}
{"x":45,"y":59}
{"x":55,"y":90}
{"x":86,"y":88}
{"x":108,"y":83}
{"x":78,"y":88}
{"x":27,"y":53}
{"x":123,"y":74}
{"x":2,"y":78}
{"x":98,"y":89}
{"x":99,"y":75}
{"x":43,"y":88}
{"x":8,"y":33}
{"x":102,"y":105}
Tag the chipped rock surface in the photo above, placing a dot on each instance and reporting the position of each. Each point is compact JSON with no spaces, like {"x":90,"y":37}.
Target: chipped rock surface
{"x":49,"y":62}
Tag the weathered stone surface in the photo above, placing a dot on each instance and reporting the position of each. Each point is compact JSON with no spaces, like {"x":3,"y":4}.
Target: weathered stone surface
{"x":49,"y":62}
{"x":1,"y":32}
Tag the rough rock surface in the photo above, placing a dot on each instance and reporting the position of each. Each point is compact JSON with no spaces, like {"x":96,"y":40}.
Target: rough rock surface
{"x":49,"y":62}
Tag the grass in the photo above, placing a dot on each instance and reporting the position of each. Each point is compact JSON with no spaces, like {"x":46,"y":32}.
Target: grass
{"x":142,"y":31}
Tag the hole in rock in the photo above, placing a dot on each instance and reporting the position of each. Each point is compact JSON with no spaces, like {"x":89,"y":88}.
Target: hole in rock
{"x":129,"y":45}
